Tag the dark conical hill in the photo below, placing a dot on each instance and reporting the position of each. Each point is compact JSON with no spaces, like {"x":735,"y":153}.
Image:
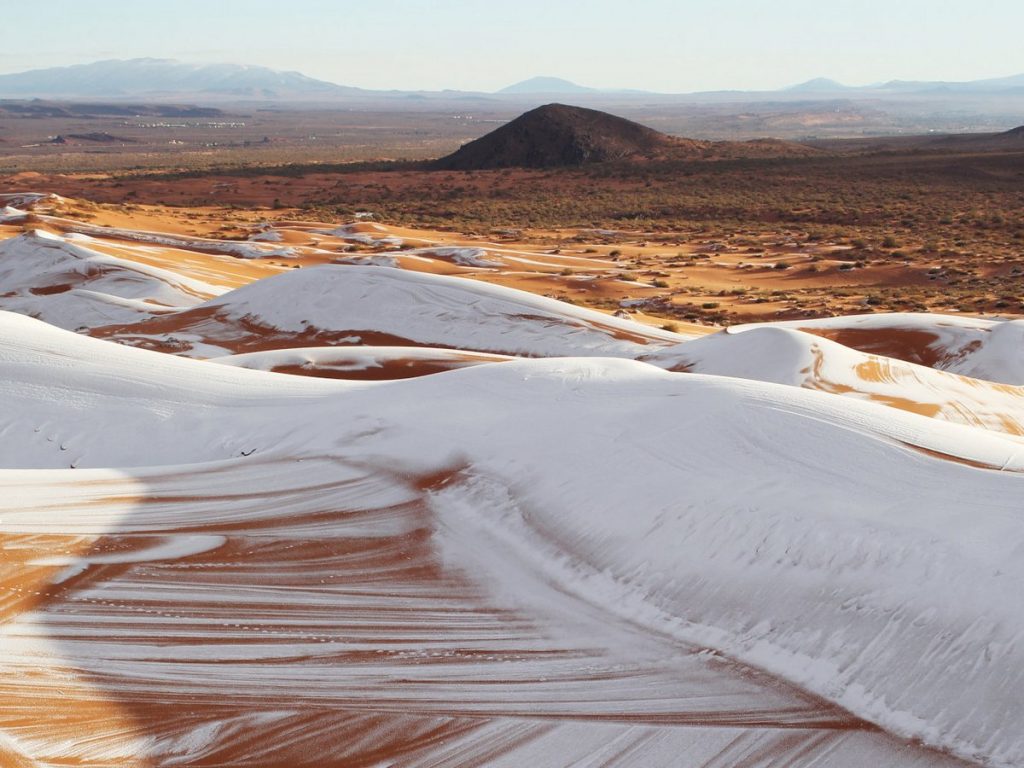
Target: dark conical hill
{"x":558,"y":135}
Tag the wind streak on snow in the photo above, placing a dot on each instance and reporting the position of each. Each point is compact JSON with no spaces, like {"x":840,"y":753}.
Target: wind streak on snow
{"x":323,"y":615}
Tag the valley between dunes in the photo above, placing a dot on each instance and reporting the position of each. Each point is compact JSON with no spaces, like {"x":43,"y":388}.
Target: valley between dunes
{"x":350,"y":494}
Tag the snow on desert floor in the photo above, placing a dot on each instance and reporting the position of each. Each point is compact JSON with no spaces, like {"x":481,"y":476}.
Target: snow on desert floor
{"x":485,"y":527}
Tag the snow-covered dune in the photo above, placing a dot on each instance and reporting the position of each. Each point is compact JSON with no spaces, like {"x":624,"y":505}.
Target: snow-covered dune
{"x":576,"y":540}
{"x":786,"y":356}
{"x":342,"y":304}
{"x":70,"y":285}
{"x":363,"y":362}
{"x":73,"y":401}
{"x":233,"y":248}
{"x":31,"y":200}
{"x":976,"y":347}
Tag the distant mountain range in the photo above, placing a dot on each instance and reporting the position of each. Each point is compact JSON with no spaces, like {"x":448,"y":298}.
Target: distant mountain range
{"x":546,"y":85}
{"x":160,"y":78}
{"x":992,"y":85}
{"x":167,"y":79}
{"x":136,"y":78}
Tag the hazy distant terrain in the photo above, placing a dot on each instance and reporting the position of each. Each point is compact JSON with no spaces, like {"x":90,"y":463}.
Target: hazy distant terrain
{"x":224,"y":133}
{"x":156,"y":78}
{"x":819,"y":108}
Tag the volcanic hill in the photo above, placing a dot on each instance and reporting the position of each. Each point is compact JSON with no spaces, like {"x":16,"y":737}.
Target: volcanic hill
{"x":1014,"y":134}
{"x":558,"y":135}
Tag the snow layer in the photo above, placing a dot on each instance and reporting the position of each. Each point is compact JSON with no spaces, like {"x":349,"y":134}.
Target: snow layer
{"x":27,"y":200}
{"x":976,"y":347}
{"x":435,"y":310}
{"x":65,"y":283}
{"x":364,"y":233}
{"x":361,"y":358}
{"x":240,"y":250}
{"x":66,"y":394}
{"x":785,"y":356}
{"x":462,"y":256}
{"x":860,"y":552}
{"x":9,"y":215}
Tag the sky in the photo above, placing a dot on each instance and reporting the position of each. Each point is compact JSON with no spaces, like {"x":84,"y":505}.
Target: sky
{"x":672,"y":46}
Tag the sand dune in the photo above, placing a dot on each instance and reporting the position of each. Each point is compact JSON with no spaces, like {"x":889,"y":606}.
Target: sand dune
{"x":360,"y":362}
{"x":522,"y":533}
{"x":70,"y":285}
{"x":980,"y":348}
{"x":342,"y":304}
{"x":786,"y":356}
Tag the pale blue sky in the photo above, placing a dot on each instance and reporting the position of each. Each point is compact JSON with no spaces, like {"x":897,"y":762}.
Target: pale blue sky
{"x":664,"y":45}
